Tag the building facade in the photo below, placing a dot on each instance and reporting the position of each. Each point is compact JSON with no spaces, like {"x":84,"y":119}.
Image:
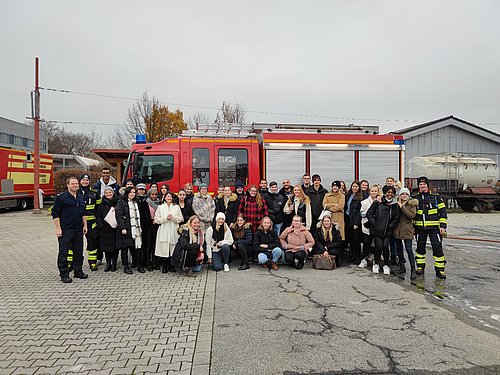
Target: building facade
{"x":450,"y":135}
{"x":19,"y":136}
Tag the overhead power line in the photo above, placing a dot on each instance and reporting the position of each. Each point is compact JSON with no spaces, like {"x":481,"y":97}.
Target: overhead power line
{"x":66,"y":91}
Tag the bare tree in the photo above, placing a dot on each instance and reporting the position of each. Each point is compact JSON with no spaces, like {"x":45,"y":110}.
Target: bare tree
{"x":231,"y":113}
{"x":61,"y":141}
{"x":197,"y":118}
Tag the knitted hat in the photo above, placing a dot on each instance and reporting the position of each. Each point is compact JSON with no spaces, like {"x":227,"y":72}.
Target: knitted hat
{"x":85,"y":175}
{"x":336,"y":183}
{"x":108,"y":188}
{"x":316,"y":177}
{"x":141,"y":186}
{"x":220,"y":215}
{"x":404,"y":190}
{"x":423,"y":179}
{"x":202,"y":185}
{"x":239,"y":184}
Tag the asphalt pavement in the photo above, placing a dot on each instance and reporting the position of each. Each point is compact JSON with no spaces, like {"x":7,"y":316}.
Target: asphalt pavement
{"x":346,"y":321}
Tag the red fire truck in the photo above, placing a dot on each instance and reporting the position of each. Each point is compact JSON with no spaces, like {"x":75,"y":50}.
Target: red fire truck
{"x":17,"y":178}
{"x":222,"y":154}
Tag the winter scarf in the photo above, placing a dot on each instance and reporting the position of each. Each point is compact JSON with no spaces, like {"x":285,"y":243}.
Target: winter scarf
{"x":135,"y":223}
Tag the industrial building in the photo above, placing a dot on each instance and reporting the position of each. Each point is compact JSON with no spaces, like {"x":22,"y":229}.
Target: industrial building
{"x":450,"y":135}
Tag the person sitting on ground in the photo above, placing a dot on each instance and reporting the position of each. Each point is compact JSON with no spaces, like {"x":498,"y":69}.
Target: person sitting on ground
{"x":297,"y":241}
{"x":243,"y":241}
{"x":219,"y":240}
{"x":327,"y":240}
{"x":266,"y":244}
{"x":189,"y":245}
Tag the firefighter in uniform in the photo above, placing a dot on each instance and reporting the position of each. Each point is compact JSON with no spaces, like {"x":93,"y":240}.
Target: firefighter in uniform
{"x":92,"y":199}
{"x":430,"y":220}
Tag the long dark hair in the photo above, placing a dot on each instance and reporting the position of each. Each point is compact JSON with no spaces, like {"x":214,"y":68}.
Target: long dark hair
{"x":359,"y":194}
{"x":127,"y":191}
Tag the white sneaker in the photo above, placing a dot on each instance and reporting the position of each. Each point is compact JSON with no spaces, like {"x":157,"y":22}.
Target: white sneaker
{"x":363,"y":264}
{"x":375,"y":268}
{"x":387,"y":270}
{"x":226,"y":267}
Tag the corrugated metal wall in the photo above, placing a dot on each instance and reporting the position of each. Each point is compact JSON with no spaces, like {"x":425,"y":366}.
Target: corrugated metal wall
{"x":451,"y":139}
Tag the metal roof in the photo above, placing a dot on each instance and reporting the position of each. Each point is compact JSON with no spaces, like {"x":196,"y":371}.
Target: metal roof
{"x":421,"y":128}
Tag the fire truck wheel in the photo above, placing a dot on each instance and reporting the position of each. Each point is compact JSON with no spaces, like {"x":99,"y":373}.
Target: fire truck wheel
{"x":22,"y":204}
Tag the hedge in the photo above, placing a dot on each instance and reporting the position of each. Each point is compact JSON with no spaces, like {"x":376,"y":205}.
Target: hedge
{"x":62,"y":175}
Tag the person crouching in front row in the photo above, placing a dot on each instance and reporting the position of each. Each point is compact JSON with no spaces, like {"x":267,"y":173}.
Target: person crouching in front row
{"x":266,"y":244}
{"x":219,"y":240}
{"x":297,"y":241}
{"x":327,"y":240}
{"x":189,"y":245}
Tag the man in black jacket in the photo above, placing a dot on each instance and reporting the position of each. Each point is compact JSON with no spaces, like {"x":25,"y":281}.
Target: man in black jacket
{"x":316,"y":194}
{"x":275,"y":203}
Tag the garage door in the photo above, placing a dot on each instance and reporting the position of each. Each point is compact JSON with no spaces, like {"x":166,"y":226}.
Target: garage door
{"x":281,"y":164}
{"x":375,"y":166}
{"x":333,"y":165}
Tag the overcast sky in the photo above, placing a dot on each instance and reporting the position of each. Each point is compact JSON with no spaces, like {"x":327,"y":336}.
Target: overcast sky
{"x":363,"y":62}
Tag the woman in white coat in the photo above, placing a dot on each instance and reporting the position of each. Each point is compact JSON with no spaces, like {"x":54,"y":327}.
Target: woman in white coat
{"x":168,"y":215}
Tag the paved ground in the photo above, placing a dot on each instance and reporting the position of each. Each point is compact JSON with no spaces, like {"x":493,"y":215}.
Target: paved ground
{"x":111,"y":323}
{"x":245,"y":322}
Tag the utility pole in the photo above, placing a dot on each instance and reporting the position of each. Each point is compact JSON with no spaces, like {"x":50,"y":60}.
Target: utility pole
{"x":36,"y":118}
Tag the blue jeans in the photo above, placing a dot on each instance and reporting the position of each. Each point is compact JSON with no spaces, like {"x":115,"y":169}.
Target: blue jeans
{"x":409,"y":251}
{"x":221,"y":257}
{"x":275,"y":255}
{"x":277,"y":228}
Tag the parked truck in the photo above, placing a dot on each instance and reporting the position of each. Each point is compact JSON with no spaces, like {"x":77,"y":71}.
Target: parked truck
{"x":471,"y":181}
{"x":222,"y":154}
{"x":17,"y":178}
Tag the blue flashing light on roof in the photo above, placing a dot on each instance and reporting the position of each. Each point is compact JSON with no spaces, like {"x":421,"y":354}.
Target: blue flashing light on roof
{"x":140,"y":138}
{"x":399,"y":141}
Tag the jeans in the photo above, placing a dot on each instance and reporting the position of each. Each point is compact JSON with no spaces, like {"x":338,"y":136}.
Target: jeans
{"x":221,"y":257}
{"x":277,"y":228}
{"x":409,"y":251}
{"x":274,"y":255}
{"x":70,"y":239}
{"x":381,"y":246}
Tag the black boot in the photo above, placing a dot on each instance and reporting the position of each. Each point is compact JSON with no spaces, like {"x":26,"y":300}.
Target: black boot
{"x":440,"y":273}
{"x":402,"y":269}
{"x":108,"y":266}
{"x":420,"y":271}
{"x":114,"y":260}
{"x":127,"y":270}
{"x":413,"y":274}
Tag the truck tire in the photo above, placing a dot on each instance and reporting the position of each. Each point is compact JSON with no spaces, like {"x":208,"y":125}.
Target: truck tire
{"x":483,"y":206}
{"x":22,"y":204}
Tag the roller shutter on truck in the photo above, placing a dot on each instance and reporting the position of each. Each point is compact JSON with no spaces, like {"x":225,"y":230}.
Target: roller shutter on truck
{"x":281,"y":164}
{"x":376,"y":165}
{"x":333,"y":165}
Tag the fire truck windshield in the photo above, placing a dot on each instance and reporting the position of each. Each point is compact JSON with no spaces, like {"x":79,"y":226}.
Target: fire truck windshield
{"x":154,"y":168}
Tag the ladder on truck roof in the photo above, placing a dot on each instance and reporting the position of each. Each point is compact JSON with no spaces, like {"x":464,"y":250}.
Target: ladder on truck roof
{"x":250,"y":130}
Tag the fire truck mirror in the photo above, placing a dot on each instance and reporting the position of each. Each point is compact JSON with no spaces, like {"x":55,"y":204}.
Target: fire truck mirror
{"x":28,"y":157}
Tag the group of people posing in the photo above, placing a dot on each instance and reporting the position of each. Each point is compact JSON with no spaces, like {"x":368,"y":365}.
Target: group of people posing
{"x":181,"y":231}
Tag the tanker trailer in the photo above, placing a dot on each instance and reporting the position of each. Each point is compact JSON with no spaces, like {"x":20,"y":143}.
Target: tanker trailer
{"x":470,"y":181}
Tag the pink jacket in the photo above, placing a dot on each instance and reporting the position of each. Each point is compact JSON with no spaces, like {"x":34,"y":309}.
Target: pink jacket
{"x":297,"y":238}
